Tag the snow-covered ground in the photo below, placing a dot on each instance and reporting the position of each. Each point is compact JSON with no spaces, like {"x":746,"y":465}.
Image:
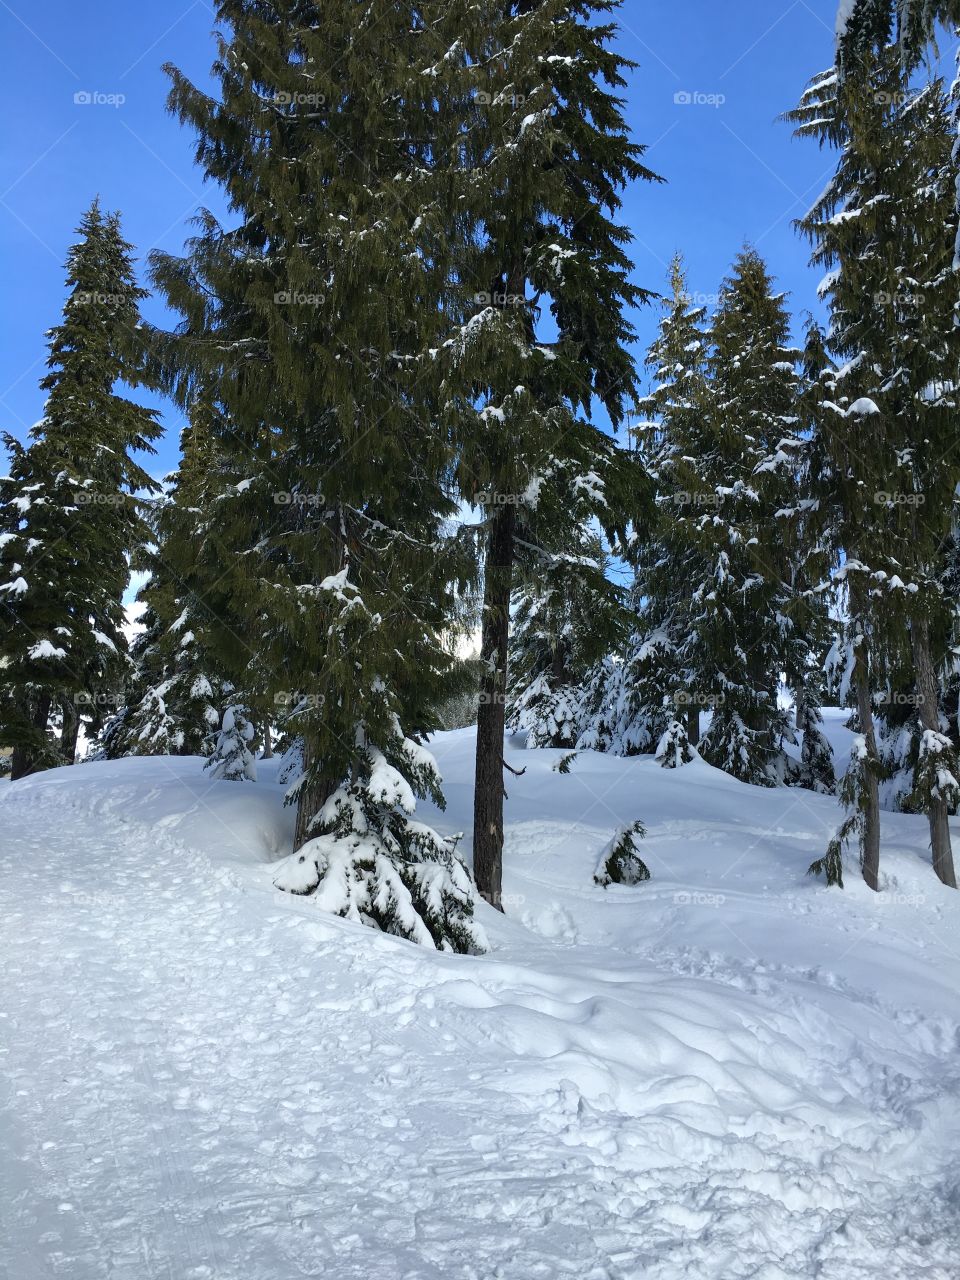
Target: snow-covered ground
{"x":727,"y":1072}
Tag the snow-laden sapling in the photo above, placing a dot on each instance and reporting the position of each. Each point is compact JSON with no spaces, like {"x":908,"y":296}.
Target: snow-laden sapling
{"x":674,"y":748}
{"x":620,"y":863}
{"x":854,"y":796}
{"x":371,"y":862}
{"x":232,"y":759}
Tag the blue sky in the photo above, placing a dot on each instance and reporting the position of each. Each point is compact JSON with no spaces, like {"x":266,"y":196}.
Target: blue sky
{"x":734,"y":173}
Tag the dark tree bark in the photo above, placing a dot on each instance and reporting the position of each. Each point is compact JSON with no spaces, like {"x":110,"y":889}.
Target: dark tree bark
{"x":870,"y":767}
{"x":313,"y":796}
{"x":24,"y":761}
{"x":267,"y":743}
{"x":488,"y":786}
{"x":929,"y":710}
{"x":693,"y":726}
{"x":70,"y":731}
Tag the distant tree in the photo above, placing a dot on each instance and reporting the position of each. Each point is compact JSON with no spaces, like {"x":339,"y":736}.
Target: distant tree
{"x":70,"y":510}
{"x":885,"y":228}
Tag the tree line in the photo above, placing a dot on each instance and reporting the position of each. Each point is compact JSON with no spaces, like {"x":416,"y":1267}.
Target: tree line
{"x":421,"y":301}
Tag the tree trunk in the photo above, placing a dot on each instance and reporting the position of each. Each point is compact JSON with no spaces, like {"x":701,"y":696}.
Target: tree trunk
{"x":871,"y":782}
{"x":267,"y":743}
{"x":315,"y":793}
{"x":313,"y":796}
{"x":24,"y":761}
{"x":693,"y":726}
{"x":952,"y":704}
{"x":70,"y":731}
{"x":491,"y":715}
{"x":929,"y":710}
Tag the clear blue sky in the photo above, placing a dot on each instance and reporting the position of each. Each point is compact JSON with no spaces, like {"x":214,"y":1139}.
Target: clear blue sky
{"x":733,"y":172}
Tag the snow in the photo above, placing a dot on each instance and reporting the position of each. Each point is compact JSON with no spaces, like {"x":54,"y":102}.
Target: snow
{"x":728,"y":1071}
{"x":45,"y":649}
{"x":845,"y":12}
{"x":864,"y":407}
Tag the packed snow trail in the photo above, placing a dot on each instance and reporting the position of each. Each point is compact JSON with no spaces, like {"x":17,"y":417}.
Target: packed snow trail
{"x":204,"y":1080}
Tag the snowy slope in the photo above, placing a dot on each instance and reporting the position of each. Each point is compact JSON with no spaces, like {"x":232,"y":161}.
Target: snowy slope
{"x":728,"y":1072}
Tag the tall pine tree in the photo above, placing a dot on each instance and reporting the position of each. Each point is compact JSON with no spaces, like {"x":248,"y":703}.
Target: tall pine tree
{"x":885,"y":227}
{"x":69,"y":510}
{"x":317,"y":317}
{"x":547,"y":153}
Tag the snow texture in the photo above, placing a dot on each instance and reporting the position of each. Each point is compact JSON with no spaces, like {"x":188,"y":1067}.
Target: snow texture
{"x":726,"y":1072}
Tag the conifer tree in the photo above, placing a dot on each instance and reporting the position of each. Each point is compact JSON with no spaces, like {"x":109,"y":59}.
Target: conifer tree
{"x":547,"y":154}
{"x":568,"y":614}
{"x":317,"y":317}
{"x":742,"y":611}
{"x":189,"y":658}
{"x":666,"y":676}
{"x":70,"y":515}
{"x":867,"y":25}
{"x":885,"y":226}
{"x":232,"y":758}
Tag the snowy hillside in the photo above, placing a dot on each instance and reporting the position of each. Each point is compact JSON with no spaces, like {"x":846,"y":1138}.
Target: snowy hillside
{"x":727,"y":1072}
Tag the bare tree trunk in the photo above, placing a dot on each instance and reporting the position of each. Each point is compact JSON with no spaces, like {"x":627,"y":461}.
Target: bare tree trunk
{"x":929,"y":709}
{"x":24,"y":762}
{"x":693,"y":726}
{"x":70,"y":731}
{"x":313,"y":796}
{"x":952,"y":701}
{"x":491,"y":715}
{"x":870,"y":766}
{"x":267,"y":742}
{"x":315,"y":792}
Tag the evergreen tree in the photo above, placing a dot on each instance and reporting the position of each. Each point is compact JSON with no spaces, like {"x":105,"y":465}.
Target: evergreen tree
{"x":742,"y":613}
{"x":546,"y":155}
{"x":885,"y":226}
{"x":68,"y":510}
{"x":232,"y":758}
{"x":620,"y":861}
{"x":190,"y":656}
{"x":866,"y":25}
{"x":666,"y":679}
{"x":568,"y":614}
{"x":317,"y":317}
